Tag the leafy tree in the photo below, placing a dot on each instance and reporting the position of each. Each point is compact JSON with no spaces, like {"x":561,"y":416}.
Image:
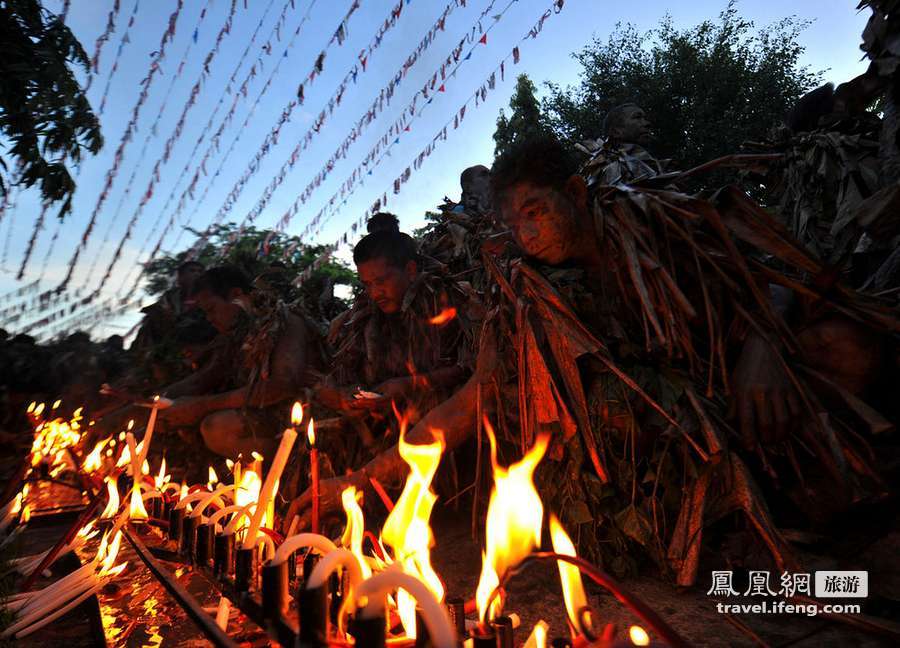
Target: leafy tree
{"x":45,"y":116}
{"x":706,"y":89}
{"x":525,"y":119}
{"x":260,"y":252}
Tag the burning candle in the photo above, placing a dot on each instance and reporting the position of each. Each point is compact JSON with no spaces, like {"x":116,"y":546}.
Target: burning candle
{"x":268,"y":488}
{"x":151,"y":423}
{"x":313,"y":473}
{"x":136,"y":506}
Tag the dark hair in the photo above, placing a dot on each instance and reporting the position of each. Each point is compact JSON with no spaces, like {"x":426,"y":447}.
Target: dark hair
{"x":385,"y":241}
{"x":189,"y":264}
{"x":469,"y":174}
{"x":616,"y":116}
{"x":810,"y":108}
{"x":541,"y":160}
{"x":221,"y":280}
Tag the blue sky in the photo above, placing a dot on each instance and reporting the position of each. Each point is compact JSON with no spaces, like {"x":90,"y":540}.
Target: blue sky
{"x":831,"y":43}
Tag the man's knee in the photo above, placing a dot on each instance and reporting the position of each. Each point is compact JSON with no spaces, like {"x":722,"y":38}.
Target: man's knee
{"x":218,"y":432}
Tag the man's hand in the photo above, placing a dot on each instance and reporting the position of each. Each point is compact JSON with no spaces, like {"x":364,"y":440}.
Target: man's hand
{"x":329,"y":500}
{"x":765,"y":402}
{"x":183,"y":411}
{"x":395,"y":388}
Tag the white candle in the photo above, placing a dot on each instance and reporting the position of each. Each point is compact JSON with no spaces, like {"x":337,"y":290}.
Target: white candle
{"x":376,"y":588}
{"x":222,"y":613}
{"x":268,"y":489}
{"x":295,"y":542}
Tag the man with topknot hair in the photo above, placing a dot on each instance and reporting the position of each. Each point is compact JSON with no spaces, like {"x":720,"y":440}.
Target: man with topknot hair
{"x":406,"y":341}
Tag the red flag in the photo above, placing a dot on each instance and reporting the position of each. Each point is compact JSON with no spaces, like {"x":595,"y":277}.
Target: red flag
{"x":442,"y":88}
{"x":483,"y":39}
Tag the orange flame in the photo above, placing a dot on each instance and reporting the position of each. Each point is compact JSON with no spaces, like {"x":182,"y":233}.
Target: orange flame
{"x":297,"y":414}
{"x":112,"y":504}
{"x":356,"y":526}
{"x":514,"y":519}
{"x":247,"y":492}
{"x":136,"y":510}
{"x":94,"y":460}
{"x":162,"y":478}
{"x":569,"y":576}
{"x":213,"y":479}
{"x":406,"y":529}
{"x":311,"y":433}
{"x":638,"y":636}
{"x":443,"y":317}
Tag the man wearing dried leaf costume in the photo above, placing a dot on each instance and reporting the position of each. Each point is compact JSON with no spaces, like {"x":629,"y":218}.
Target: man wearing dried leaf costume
{"x":406,"y":340}
{"x":625,"y":321}
{"x":242,"y":397}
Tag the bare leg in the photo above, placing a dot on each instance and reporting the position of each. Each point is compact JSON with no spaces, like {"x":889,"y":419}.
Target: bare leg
{"x":226,"y":433}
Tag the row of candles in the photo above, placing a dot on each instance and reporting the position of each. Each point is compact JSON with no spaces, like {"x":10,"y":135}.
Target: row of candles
{"x":342,"y":592}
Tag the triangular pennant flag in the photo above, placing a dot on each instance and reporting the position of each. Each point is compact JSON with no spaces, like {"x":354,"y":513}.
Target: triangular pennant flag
{"x":483,"y":39}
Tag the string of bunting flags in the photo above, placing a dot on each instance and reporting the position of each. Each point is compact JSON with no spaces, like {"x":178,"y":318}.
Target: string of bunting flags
{"x":188,"y":193}
{"x":126,"y":39}
{"x":339,"y":35}
{"x":101,"y":41}
{"x":474,"y":37}
{"x":214,"y":141}
{"x":167,"y":150}
{"x":41,"y":303}
{"x":42,"y":217}
{"x":478,"y":97}
{"x":112,"y":173}
{"x":382,"y":99}
{"x":151,"y":134}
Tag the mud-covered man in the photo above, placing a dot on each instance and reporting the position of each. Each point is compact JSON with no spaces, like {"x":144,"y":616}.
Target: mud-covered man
{"x":241,"y":399}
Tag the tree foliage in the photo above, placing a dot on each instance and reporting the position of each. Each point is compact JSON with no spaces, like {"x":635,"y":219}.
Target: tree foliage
{"x":706,"y":89}
{"x":259,"y":252}
{"x":45,"y":116}
{"x":525,"y":119}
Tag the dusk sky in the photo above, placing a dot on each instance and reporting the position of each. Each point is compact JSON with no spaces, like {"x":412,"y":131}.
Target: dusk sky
{"x":831,"y":42}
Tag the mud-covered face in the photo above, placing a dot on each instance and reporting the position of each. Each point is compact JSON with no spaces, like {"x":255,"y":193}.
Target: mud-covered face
{"x":385,"y":283}
{"x":544,"y":221}
{"x":635,"y":127}
{"x":187,"y":276}
{"x":221,"y":313}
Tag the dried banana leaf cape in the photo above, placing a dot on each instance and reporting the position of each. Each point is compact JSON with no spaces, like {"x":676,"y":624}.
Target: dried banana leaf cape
{"x":631,"y":375}
{"x":827,"y":176}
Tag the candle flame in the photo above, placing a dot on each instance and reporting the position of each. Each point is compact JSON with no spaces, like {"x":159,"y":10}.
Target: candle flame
{"x":161,"y":478}
{"x":297,"y":414}
{"x":213,"y":479}
{"x":130,"y":425}
{"x":570,"y":577}
{"x":353,"y":534}
{"x":39,"y":409}
{"x":112,"y":503}
{"x":514,"y":519}
{"x":443,"y":317}
{"x":94,"y":460}
{"x":136,"y":510}
{"x":311,"y":433}
{"x":538,"y":637}
{"x":247,"y":492}
{"x":407,"y":529}
{"x":26,"y":515}
{"x":145,"y":467}
{"x":56,"y":404}
{"x":638,"y":636}
{"x":30,"y":407}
